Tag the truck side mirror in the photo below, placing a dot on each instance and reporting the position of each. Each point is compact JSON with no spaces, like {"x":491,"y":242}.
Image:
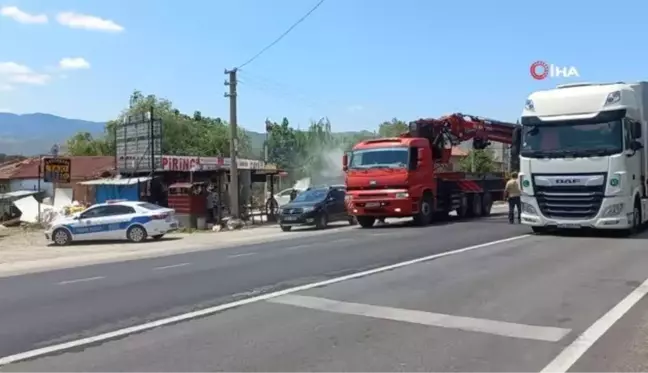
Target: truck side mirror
{"x":345,"y":162}
{"x":636,"y":130}
{"x":516,"y":141}
{"x":636,"y":145}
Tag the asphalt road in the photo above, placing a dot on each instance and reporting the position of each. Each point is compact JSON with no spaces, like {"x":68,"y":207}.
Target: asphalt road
{"x":529,"y":304}
{"x":44,"y":309}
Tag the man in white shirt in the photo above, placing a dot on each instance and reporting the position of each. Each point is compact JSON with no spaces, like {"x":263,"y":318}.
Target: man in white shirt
{"x":512,"y":194}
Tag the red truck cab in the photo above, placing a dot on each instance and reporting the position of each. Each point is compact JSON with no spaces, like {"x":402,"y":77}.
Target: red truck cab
{"x":389,"y":177}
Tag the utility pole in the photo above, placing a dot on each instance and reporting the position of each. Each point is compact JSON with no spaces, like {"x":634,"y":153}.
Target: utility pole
{"x":234,"y":181}
{"x":268,"y":128}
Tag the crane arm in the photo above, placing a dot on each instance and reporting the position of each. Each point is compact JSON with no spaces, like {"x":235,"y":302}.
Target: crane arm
{"x":456,"y":128}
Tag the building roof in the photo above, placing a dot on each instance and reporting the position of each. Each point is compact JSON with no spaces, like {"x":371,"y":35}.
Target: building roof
{"x":83,"y":168}
{"x":117,"y":181}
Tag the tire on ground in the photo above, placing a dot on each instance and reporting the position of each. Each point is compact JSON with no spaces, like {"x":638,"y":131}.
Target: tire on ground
{"x":426,"y":210}
{"x":366,"y":221}
{"x":61,"y":237}
{"x":136,"y":233}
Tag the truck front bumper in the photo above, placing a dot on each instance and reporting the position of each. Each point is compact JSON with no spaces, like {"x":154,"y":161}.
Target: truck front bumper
{"x":607,"y":218}
{"x":384,"y":207}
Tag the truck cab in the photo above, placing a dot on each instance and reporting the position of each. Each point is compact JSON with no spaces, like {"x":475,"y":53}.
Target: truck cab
{"x":582,"y":157}
{"x":383,"y":175}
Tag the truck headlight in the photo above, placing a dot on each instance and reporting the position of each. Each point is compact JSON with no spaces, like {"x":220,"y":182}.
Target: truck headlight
{"x":527,"y":208}
{"x":613,"y":210}
{"x":402,"y":195}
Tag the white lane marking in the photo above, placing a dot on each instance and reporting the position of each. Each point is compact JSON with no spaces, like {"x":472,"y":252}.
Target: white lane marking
{"x":212,"y":310}
{"x":81,"y":280}
{"x":240,"y":255}
{"x":507,"y":329}
{"x":171,"y":266}
{"x":298,"y":247}
{"x":576,"y":349}
{"x":307,"y":245}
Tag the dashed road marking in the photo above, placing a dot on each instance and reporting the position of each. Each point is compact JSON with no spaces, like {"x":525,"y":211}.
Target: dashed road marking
{"x":321,"y":244}
{"x":240,"y":255}
{"x":507,"y":329}
{"x":172,"y":266}
{"x":87,"y":279}
{"x":223,"y":307}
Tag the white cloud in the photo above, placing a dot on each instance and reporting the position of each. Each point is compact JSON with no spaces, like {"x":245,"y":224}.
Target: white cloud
{"x":5,"y":110}
{"x":33,"y":79}
{"x":88,"y":22}
{"x":11,"y":68}
{"x":6,"y":87}
{"x":12,"y":72}
{"x":355,"y":108}
{"x":74,"y":63}
{"x":22,"y":17}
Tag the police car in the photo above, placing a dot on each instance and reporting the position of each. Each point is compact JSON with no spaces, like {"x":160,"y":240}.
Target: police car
{"x":114,"y":220}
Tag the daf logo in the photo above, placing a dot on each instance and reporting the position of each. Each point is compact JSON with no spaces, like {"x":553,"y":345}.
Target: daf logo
{"x":372,"y":182}
{"x":567,"y":181}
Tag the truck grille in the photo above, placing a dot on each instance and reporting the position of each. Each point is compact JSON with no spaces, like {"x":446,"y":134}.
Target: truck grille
{"x":576,"y":202}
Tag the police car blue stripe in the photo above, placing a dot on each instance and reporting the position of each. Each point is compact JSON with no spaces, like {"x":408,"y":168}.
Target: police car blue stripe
{"x":117,"y":226}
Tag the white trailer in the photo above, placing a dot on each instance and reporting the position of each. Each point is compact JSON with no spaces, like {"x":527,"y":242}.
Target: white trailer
{"x":582,"y":158}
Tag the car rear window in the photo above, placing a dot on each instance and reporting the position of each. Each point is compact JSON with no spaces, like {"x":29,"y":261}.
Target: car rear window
{"x":149,"y":206}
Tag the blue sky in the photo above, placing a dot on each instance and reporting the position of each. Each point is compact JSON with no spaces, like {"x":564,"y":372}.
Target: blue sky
{"x":359,"y":62}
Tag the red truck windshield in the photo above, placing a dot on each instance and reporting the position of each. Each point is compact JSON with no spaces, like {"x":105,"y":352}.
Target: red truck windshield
{"x":392,"y":157}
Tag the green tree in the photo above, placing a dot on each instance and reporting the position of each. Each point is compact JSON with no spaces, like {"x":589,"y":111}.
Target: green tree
{"x":83,"y":143}
{"x":282,"y":144}
{"x":483,"y":161}
{"x":181,"y":134}
{"x":392,"y":128}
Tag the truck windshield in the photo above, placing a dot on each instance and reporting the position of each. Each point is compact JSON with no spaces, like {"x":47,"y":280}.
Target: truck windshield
{"x":394,"y":157}
{"x":577,"y":140}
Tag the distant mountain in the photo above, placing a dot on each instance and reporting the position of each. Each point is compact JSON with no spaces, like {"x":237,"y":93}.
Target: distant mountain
{"x":30,"y":134}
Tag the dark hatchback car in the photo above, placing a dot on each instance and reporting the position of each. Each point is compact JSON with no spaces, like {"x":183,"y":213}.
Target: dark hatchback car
{"x":315,"y":207}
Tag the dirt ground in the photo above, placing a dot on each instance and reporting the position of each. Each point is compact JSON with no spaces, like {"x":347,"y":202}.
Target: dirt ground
{"x":27,"y":250}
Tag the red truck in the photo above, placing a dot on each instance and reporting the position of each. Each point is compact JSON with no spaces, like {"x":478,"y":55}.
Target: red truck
{"x":407,"y":176}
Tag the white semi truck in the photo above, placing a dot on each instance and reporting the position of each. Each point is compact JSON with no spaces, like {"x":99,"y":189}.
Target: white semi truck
{"x":583,"y":161}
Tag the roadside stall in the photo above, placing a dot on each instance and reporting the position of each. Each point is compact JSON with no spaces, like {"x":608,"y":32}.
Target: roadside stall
{"x":189,"y":200}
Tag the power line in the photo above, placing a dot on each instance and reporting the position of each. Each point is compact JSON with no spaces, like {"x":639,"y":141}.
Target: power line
{"x":302,"y":19}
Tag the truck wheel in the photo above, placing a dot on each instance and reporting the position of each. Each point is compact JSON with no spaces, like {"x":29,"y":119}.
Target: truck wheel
{"x":424,"y":216}
{"x":462,"y":211}
{"x":353,"y":220}
{"x":476,"y":206}
{"x":487,"y":204}
{"x":366,"y":221}
{"x":636,"y":221}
